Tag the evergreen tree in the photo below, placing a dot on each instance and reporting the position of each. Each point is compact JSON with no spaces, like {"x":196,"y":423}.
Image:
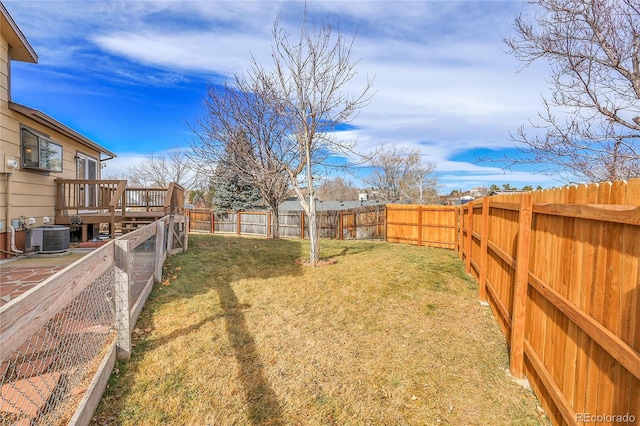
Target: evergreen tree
{"x":232,"y":191}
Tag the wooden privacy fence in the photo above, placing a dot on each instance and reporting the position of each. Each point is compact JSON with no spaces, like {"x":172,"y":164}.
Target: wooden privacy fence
{"x":360,"y":223}
{"x":60,"y":340}
{"x":433,"y":226}
{"x":560,"y":269}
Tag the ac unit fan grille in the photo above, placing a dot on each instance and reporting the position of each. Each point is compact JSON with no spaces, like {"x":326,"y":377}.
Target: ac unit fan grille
{"x":51,"y":238}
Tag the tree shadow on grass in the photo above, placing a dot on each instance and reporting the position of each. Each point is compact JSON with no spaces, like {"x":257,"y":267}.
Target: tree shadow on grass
{"x":263,"y":404}
{"x":215,"y":263}
{"x":221,"y":262}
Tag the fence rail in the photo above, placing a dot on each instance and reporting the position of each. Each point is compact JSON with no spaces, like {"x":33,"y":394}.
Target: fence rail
{"x":560,"y":269}
{"x":61,"y":338}
{"x":433,"y":226}
{"x":360,"y":223}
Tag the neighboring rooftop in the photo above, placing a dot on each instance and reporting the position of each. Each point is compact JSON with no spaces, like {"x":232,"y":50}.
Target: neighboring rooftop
{"x":294,"y":205}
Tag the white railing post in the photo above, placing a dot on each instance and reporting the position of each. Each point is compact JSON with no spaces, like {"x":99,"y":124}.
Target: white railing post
{"x":122,"y":299}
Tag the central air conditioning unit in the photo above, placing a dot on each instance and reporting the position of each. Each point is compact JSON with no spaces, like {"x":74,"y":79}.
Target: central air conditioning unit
{"x":50,"y":239}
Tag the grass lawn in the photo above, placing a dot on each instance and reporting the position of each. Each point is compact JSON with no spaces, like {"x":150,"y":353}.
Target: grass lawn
{"x":239,"y":334}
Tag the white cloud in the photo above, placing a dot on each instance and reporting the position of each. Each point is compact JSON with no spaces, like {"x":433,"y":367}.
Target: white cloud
{"x":118,"y":167}
{"x":440,"y":73}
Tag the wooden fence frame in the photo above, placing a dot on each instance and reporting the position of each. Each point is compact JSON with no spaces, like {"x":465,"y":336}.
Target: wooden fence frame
{"x":423,"y":225}
{"x":340,"y":215}
{"x":503,"y":240}
{"x":28,"y":313}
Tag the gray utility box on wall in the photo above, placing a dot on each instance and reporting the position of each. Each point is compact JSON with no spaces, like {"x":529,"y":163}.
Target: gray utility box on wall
{"x":50,"y":239}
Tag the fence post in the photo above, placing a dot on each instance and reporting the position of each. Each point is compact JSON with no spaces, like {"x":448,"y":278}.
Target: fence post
{"x":268,"y":219}
{"x":123,"y":345}
{"x":355,"y":224}
{"x":518,"y":319}
{"x":213,"y":222}
{"x":340,"y":226}
{"x":458,"y":212}
{"x":302,"y":225}
{"x":185,"y":239}
{"x":159,"y":259}
{"x":484,"y":243}
{"x":238,"y":224}
{"x":419,"y":226}
{"x":385,"y":223}
{"x":169,"y":235}
{"x":469,"y":237}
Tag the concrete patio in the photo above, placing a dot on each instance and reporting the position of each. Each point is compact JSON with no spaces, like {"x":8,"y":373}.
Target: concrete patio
{"x":20,"y":275}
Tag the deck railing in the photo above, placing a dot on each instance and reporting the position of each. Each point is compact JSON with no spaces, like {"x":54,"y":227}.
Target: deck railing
{"x":146,"y":199}
{"x":74,"y":196}
{"x":113,"y":199}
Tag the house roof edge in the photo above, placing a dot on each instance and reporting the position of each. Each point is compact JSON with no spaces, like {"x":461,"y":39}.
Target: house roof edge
{"x":54,"y":124}
{"x":19,"y":47}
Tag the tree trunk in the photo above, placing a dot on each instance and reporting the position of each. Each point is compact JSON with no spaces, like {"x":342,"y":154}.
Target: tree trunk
{"x":314,"y":252}
{"x":275,"y":224}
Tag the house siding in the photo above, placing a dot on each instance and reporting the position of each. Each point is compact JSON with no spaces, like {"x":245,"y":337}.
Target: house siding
{"x":4,"y":72}
{"x":32,"y":194}
{"x":4,"y":109}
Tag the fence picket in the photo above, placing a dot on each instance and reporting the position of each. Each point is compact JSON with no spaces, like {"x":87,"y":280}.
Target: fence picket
{"x":482,"y":281}
{"x":520,"y":288}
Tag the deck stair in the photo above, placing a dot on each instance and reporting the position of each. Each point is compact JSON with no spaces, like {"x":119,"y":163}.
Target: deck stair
{"x":132,"y":223}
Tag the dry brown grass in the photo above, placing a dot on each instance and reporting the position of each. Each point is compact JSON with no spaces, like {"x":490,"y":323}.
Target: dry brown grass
{"x":389,"y":335}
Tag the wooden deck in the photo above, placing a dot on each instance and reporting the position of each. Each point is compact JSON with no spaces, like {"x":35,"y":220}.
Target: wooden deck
{"x":81,"y":203}
{"x":94,"y":218}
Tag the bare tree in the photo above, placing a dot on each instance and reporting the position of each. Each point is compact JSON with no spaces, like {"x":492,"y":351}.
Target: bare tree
{"x":237,"y":120}
{"x":158,"y":170}
{"x":590,"y":127}
{"x":307,"y":90}
{"x":283,"y":119}
{"x":400,"y":174}
{"x":337,"y":188}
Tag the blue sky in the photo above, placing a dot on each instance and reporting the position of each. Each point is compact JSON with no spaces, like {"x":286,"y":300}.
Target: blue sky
{"x":131,"y":74}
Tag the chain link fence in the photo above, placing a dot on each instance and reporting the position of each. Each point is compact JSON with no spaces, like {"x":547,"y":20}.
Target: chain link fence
{"x":44,"y":376}
{"x":141,"y":268}
{"x":68,"y":325}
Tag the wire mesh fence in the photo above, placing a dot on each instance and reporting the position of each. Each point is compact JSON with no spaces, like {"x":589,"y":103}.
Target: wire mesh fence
{"x":52,"y":369}
{"x":55,"y":339}
{"x":141,"y":268}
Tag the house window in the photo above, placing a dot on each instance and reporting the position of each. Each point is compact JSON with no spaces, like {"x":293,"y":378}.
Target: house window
{"x":40,"y":153}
